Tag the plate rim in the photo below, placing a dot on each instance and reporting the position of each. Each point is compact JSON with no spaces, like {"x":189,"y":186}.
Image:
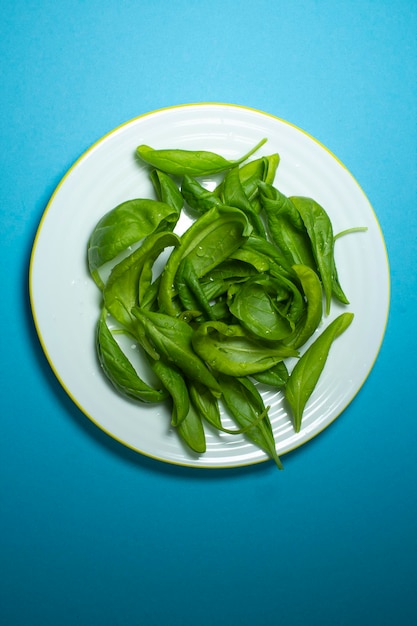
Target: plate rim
{"x":218,"y":465}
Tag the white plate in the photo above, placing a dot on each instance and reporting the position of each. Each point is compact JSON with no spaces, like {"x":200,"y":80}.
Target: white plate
{"x":65,"y":301}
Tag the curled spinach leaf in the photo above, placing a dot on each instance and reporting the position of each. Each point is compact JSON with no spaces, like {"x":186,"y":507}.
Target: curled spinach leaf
{"x":197,"y":196}
{"x":126,"y":285}
{"x":251,"y":174}
{"x":119,"y":369}
{"x":234,"y":195}
{"x":264,"y":256}
{"x":320,"y":232}
{"x":229,"y":349}
{"x":207,"y":243}
{"x":313,"y":313}
{"x":256,"y":305}
{"x":124,"y":226}
{"x":167,"y":191}
{"x":286,"y":226}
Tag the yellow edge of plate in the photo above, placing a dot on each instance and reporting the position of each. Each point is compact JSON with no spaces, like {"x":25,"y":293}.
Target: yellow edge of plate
{"x":80,"y":158}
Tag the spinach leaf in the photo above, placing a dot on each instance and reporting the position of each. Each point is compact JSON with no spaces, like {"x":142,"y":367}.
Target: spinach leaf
{"x":191,"y":430}
{"x":305,"y":375}
{"x":124,"y":226}
{"x":256,"y":305}
{"x":125,"y":284}
{"x":167,"y":191}
{"x":205,"y":404}
{"x":286,"y":226}
{"x":119,"y":369}
{"x":197,"y":196}
{"x":190,"y":162}
{"x":173,"y":381}
{"x":276,"y":376}
{"x":207,"y":243}
{"x":187,"y":278}
{"x":312,"y":316}
{"x":235,"y":196}
{"x":251,"y":174}
{"x":320,"y":232}
{"x":245,"y":405}
{"x":229,"y":349}
{"x":172,"y":340}
{"x":265,"y":256}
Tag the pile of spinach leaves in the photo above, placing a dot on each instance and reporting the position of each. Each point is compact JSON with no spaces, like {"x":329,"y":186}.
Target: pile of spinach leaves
{"x":242,"y":291}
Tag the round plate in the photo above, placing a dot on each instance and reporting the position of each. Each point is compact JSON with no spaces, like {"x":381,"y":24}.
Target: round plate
{"x":65,"y":301}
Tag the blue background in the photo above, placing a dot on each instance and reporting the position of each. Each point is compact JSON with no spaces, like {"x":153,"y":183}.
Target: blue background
{"x":92,"y":533}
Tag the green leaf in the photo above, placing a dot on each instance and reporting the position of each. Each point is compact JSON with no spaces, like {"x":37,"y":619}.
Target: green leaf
{"x":119,"y":369}
{"x":251,"y":174}
{"x":124,"y":226}
{"x":245,"y":405}
{"x":306,"y":373}
{"x":167,"y":190}
{"x":313,"y":314}
{"x":229,"y":349}
{"x":174,"y":383}
{"x":196,"y":196}
{"x":206,"y":405}
{"x":171,"y":338}
{"x":207,"y":242}
{"x":276,"y":376}
{"x":190,"y":162}
{"x":234,"y":195}
{"x":320,"y":232}
{"x":286,"y":226}
{"x":187,"y":277}
{"x":125,"y":284}
{"x":255,"y":305}
{"x":264,"y":255}
{"x":191,"y":431}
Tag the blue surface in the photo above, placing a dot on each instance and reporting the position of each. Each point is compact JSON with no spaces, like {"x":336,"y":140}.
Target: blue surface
{"x":92,"y":533}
